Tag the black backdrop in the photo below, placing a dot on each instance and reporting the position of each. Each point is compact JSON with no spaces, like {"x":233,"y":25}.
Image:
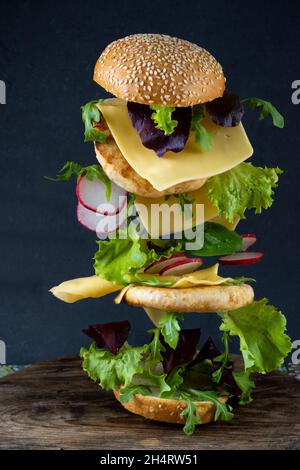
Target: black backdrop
{"x":47,"y":53}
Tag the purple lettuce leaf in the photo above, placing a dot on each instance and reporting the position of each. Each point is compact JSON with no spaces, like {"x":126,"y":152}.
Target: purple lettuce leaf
{"x":226,"y":111}
{"x":154,"y":138}
{"x":113,"y":335}
{"x":184,"y":352}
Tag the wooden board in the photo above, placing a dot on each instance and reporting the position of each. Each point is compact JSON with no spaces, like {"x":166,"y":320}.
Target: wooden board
{"x":54,"y":405}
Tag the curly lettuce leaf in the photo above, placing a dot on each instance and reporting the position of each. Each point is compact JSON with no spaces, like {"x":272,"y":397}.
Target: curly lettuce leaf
{"x":162,"y":116}
{"x":267,"y":109}
{"x":127,"y":393}
{"x":243,"y":187}
{"x":261,"y":331}
{"x":90,"y":115}
{"x":246,"y":385}
{"x":170,"y":328}
{"x":111,"y":371}
{"x":202,"y":136}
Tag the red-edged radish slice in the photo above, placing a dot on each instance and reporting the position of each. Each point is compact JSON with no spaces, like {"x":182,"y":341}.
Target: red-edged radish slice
{"x":186,"y":266}
{"x":248,"y":240}
{"x":91,"y":194}
{"x":99,"y":223}
{"x":156,"y":266}
{"x":241,"y":258}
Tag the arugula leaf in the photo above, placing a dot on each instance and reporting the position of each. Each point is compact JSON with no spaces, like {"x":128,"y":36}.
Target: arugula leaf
{"x":224,"y":358}
{"x":267,"y":110}
{"x":202,"y":136}
{"x":170,"y":328}
{"x":162,"y":117}
{"x":245,"y":384}
{"x":91,"y":114}
{"x":237,"y":281}
{"x":243,"y":187}
{"x":92,"y":171}
{"x":127,"y":393}
{"x":261,"y":330}
{"x":223,"y":410}
{"x":218,"y":241}
{"x":155,"y":347}
{"x":110,"y":370}
{"x":192,"y":416}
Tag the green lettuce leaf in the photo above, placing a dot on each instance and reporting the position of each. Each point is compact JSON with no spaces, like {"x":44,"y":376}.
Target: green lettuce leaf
{"x":267,"y":110}
{"x":174,"y":380}
{"x":92,"y":171}
{"x":245,"y":384}
{"x":223,"y":410}
{"x":91,"y":114}
{"x":243,"y":187}
{"x":111,"y":371}
{"x":162,"y":116}
{"x":261,"y":331}
{"x":202,"y":136}
{"x":170,"y":328}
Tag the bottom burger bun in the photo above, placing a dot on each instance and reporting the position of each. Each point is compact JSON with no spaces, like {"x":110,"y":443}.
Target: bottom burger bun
{"x":191,"y":299}
{"x":120,"y":172}
{"x":168,"y":410}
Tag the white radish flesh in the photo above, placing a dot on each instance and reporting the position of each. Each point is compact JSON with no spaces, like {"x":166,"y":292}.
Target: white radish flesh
{"x":248,"y":240}
{"x":92,"y":195}
{"x":99,"y":223}
{"x":186,"y":266}
{"x":157,"y":266}
{"x":241,"y":258}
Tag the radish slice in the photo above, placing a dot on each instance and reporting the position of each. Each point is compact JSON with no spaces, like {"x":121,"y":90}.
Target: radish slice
{"x":99,"y":223}
{"x":248,"y":240}
{"x":186,"y":266}
{"x":156,"y":266}
{"x":241,"y":258}
{"x":91,"y":194}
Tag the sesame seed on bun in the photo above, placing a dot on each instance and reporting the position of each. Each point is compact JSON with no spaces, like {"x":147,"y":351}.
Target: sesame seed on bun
{"x":159,"y":69}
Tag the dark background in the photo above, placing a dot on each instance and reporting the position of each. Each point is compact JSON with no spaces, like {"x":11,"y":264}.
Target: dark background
{"x":47,"y":54}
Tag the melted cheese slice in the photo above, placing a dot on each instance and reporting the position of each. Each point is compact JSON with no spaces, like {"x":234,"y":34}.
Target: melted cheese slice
{"x":83,"y":288}
{"x":230,"y":147}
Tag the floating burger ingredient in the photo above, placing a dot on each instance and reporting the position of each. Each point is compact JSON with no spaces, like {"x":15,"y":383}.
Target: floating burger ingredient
{"x":173,"y":133}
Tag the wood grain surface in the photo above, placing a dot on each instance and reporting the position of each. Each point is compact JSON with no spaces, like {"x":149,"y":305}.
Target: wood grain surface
{"x":55,"y":406}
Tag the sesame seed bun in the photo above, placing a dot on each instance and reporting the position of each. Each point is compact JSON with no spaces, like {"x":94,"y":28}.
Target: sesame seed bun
{"x":120,"y":172}
{"x":159,"y":69}
{"x":191,"y":299}
{"x":168,"y":410}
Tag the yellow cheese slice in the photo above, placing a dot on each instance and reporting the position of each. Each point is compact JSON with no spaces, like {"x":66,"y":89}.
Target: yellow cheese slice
{"x":83,"y":288}
{"x":230,"y":147}
{"x":158,"y":226}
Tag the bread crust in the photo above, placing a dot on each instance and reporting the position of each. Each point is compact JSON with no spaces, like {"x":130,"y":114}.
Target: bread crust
{"x":159,"y":69}
{"x":168,"y":410}
{"x":191,"y":299}
{"x":121,"y":173}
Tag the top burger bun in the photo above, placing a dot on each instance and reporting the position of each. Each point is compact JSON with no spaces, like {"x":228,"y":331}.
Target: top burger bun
{"x":159,"y":69}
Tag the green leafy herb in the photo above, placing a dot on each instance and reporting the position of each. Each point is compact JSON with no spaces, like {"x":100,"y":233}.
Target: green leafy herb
{"x":218,"y":241}
{"x":112,"y":371}
{"x":202,"y":136}
{"x":267,"y":110}
{"x":92,"y":171}
{"x":223,"y":410}
{"x":261,"y":330}
{"x":162,"y":116}
{"x":170,"y":328}
{"x":191,"y":414}
{"x":245,"y":384}
{"x":237,"y":281}
{"x":127,"y":393}
{"x":174,"y":380}
{"x":224,"y":358}
{"x":90,"y":115}
{"x":243,"y":187}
